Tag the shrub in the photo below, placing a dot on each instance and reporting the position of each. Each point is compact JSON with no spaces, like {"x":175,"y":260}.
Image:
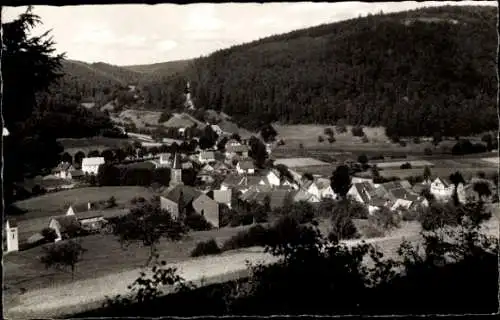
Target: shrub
{"x":209,"y":247}
{"x":363,"y":159}
{"x":328,"y":132}
{"x":406,"y":165}
{"x":320,"y":139}
{"x":416,"y":140}
{"x":402,"y":143}
{"x":255,"y":236}
{"x":111,"y":202}
{"x":331,"y":139}
{"x":49,"y":234}
{"x":357,"y":131}
{"x":394,"y":139}
{"x":365,"y":139}
{"x":281,"y":142}
{"x":428,"y":151}
{"x":197,"y":222}
{"x":409,"y":215}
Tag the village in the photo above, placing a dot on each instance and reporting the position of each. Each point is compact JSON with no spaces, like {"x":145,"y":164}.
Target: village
{"x":226,"y":175}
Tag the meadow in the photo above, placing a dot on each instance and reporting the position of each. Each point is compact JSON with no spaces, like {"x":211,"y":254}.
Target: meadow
{"x":92,"y":142}
{"x":105,"y":256}
{"x":141,"y":118}
{"x":57,"y":203}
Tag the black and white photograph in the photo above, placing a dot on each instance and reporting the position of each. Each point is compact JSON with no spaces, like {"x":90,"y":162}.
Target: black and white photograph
{"x":250,"y":159}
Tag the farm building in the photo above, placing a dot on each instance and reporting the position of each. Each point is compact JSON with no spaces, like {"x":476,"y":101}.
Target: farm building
{"x":206,"y":157}
{"x":63,"y":225}
{"x":91,"y":165}
{"x":245,"y":167}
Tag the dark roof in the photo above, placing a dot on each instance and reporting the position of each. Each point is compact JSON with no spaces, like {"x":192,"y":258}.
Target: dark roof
{"x":63,"y":166}
{"x":402,"y":193}
{"x":228,"y":126}
{"x":188,"y":193}
{"x":232,"y":179}
{"x":237,"y":148}
{"x":278,"y":197}
{"x":76,"y":173}
{"x":99,"y":213}
{"x":66,"y":222}
{"x":246,"y":164}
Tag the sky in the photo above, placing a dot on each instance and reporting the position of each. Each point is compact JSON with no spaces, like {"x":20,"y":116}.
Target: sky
{"x":144,"y":34}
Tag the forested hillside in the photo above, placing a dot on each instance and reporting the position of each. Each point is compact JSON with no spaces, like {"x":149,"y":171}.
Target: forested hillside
{"x":417,"y":73}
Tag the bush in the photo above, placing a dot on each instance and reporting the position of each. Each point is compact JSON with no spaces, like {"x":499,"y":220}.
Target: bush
{"x":197,"y":222}
{"x":406,"y":165}
{"x":320,"y":139}
{"x":428,"y":151}
{"x":209,"y":247}
{"x":365,"y":139}
{"x":416,"y":140}
{"x":49,"y":234}
{"x":255,"y":236}
{"x":357,"y":131}
{"x":331,"y":139}
{"x":328,"y":132}
{"x":111,"y":202}
{"x":402,"y":143}
{"x":409,"y":215}
{"x":363,"y":159}
{"x":281,"y":142}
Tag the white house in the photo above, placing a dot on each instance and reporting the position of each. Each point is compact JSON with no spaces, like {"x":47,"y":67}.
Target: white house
{"x":91,"y":165}
{"x":272,"y":179}
{"x":245,"y":166}
{"x":325,"y":188}
{"x":63,"y":170}
{"x":206,"y":157}
{"x":311,"y":188}
{"x":443,"y":189}
{"x":12,"y":236}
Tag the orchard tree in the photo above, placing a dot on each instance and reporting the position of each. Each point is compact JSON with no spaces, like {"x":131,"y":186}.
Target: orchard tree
{"x":29,"y":68}
{"x":258,"y":151}
{"x":147,"y":223}
{"x":341,"y":181}
{"x":66,"y":157}
{"x":427,"y":173}
{"x":456,"y":178}
{"x":79,"y":157}
{"x":65,"y":254}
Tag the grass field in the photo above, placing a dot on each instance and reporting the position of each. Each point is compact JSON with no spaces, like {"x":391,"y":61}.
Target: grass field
{"x":92,"y":142}
{"x":58,"y":202}
{"x":141,"y":118}
{"x":397,"y":164}
{"x":104,"y":256}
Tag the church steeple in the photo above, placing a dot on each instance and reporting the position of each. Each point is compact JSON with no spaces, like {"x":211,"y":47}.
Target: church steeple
{"x":176,"y":171}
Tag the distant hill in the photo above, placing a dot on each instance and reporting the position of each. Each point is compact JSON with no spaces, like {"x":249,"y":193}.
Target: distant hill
{"x":165,"y":68}
{"x":421,"y":72}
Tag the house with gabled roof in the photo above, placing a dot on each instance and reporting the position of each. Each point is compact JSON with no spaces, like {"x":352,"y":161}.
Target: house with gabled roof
{"x":443,"y":189}
{"x":64,"y":224}
{"x":236,"y":150}
{"x":245,"y":167}
{"x":206,"y":157}
{"x":63,"y":170}
{"x":178,"y":194}
{"x":361,"y":192}
{"x":91,"y":165}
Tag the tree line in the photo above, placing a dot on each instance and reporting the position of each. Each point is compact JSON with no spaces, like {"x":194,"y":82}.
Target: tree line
{"x":369,"y":71}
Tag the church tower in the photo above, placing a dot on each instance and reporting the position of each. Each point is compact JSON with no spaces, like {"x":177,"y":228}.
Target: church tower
{"x":176,"y":171}
{"x":12,"y":237}
{"x":188,"y":103}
